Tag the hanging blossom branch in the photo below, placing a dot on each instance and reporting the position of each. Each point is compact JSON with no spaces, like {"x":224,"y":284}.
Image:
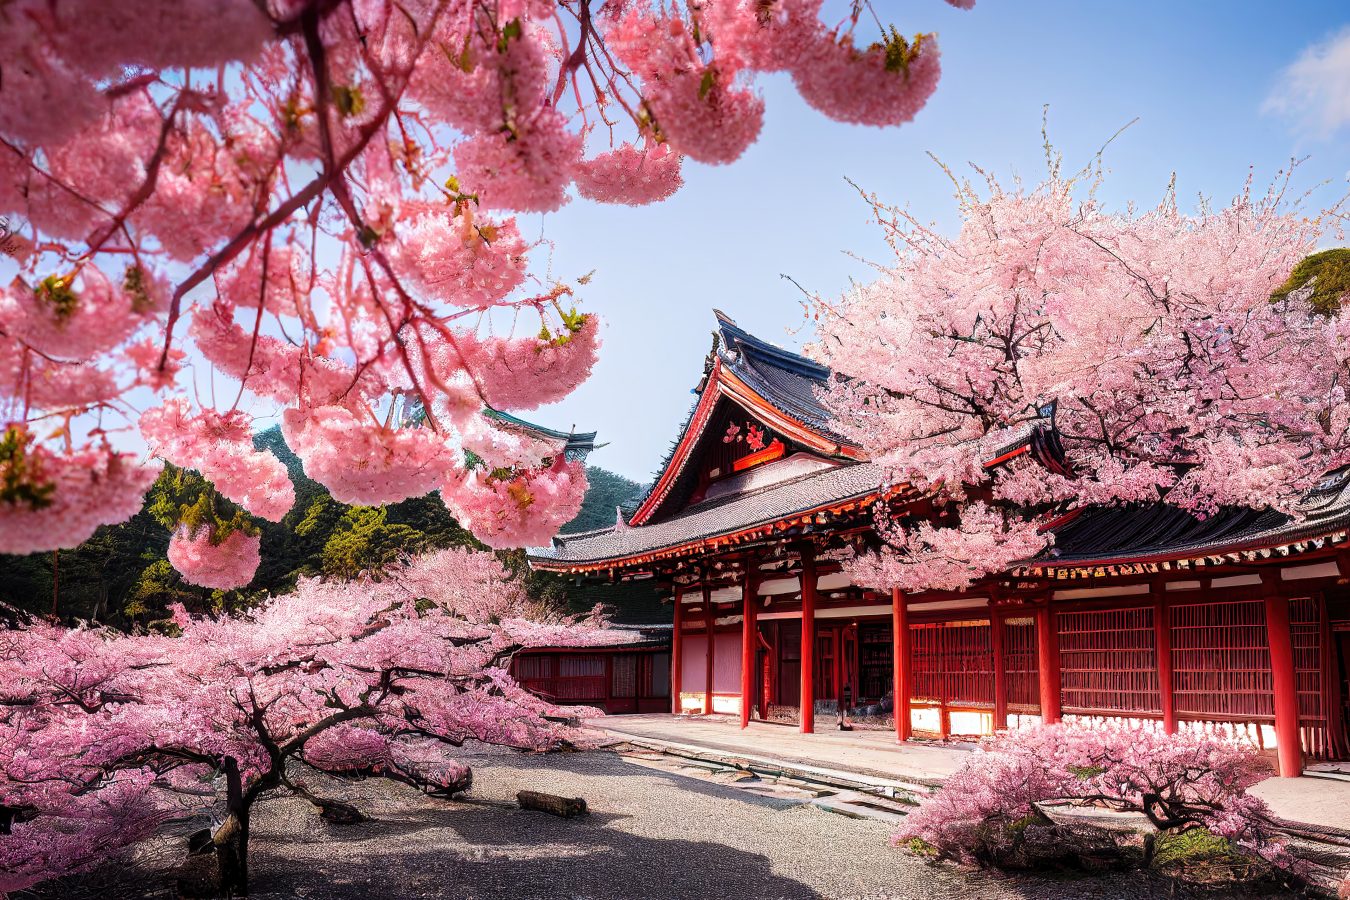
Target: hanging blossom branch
{"x":323,"y":191}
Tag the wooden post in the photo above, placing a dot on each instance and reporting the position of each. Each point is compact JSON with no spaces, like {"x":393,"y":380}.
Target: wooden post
{"x":749,"y":645}
{"x":1047,"y":662}
{"x":901,"y":671}
{"x":1162,"y":641}
{"x":1289,"y":749}
{"x":1000,"y":670}
{"x":677,"y":653}
{"x":609,"y":683}
{"x":808,"y":692}
{"x":708,"y":646}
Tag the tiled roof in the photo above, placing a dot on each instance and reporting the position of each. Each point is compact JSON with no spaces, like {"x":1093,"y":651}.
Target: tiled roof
{"x":1154,"y":532}
{"x":576,"y":446}
{"x":786,"y":380}
{"x":750,"y":508}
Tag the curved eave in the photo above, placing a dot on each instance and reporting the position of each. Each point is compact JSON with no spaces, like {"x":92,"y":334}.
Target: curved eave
{"x":722,"y":382}
{"x":1252,"y":551}
{"x":766,"y":529}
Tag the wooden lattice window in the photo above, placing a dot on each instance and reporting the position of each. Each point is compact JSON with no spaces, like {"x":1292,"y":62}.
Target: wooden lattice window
{"x":1221,"y":661}
{"x":1305,"y":627}
{"x":1020,"y":663}
{"x":953,"y":663}
{"x":1108,"y":663}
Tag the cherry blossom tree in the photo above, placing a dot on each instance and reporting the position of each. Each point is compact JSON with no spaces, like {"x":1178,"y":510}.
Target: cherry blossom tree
{"x":1179,"y":782}
{"x":104,"y":735}
{"x":311,"y":203}
{"x":1146,"y":342}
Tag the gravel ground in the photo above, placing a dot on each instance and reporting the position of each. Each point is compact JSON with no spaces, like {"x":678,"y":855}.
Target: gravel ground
{"x":650,"y":834}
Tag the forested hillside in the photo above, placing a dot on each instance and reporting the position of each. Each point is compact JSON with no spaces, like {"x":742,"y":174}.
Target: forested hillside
{"x":122,"y":575}
{"x":607,"y":492}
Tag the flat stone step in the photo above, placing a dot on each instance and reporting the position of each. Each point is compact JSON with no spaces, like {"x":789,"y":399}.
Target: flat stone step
{"x":798,"y":772}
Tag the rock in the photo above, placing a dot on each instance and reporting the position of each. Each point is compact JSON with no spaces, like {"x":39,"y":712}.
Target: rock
{"x":565,"y":807}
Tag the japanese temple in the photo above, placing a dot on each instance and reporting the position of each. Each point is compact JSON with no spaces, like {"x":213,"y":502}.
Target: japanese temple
{"x":1238,"y":623}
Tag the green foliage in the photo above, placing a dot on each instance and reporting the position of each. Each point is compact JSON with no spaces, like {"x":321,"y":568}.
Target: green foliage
{"x":1331,"y":268}
{"x":21,"y":479}
{"x":1086,"y":772}
{"x":605,"y":493}
{"x":1193,"y":844}
{"x":56,"y":292}
{"x":157,"y":587}
{"x":182,"y":497}
{"x":918,"y":846}
{"x":364,"y":541}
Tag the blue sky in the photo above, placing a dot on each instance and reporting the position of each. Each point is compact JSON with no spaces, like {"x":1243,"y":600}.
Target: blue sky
{"x":1208,"y":81}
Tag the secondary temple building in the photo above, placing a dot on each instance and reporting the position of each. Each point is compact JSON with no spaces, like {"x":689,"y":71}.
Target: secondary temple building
{"x":1238,"y":623}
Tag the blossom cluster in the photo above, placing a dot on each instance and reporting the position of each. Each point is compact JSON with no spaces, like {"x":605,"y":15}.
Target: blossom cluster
{"x":1146,"y":340}
{"x":323,"y":194}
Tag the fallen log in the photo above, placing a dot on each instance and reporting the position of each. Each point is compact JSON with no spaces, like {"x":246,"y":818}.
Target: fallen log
{"x":566,"y":807}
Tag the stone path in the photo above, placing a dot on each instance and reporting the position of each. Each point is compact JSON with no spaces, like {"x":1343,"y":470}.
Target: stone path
{"x":1318,"y":801}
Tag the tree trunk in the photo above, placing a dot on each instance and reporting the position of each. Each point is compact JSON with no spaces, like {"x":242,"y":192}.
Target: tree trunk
{"x":231,"y":838}
{"x":56,"y":582}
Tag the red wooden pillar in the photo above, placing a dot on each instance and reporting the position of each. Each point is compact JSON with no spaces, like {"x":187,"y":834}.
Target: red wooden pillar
{"x":1162,"y":640}
{"x":1289,"y":747}
{"x":902,"y":671}
{"x":749,"y":644}
{"x":1000,"y":670}
{"x":677,"y":653}
{"x":808,"y":692}
{"x":708,"y":646}
{"x":1047,"y":660}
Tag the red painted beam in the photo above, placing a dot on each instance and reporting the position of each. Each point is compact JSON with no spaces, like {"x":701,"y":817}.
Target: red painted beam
{"x":902,"y":677}
{"x":748,"y":646}
{"x":1289,"y":749}
{"x":677,"y":653}
{"x":808,"y":692}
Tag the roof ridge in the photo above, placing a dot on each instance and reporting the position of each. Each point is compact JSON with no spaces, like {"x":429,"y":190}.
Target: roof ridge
{"x":736,"y":338}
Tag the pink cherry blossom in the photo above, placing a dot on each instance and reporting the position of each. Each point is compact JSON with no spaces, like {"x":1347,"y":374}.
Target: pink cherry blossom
{"x":105,"y":735}
{"x":224,"y":566}
{"x":361,"y":152}
{"x":861,"y":87}
{"x":521,"y":509}
{"x":1151,"y":335}
{"x":630,"y":175}
{"x":220,"y":447}
{"x":1178,"y":781}
{"x":363,"y":462}
{"x":458,"y":259}
{"x":87,"y":488}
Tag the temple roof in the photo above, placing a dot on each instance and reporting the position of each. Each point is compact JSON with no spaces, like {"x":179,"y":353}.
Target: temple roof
{"x":576,"y":445}
{"x":1146,"y":533}
{"x":785,"y":379}
{"x":757,"y":504}
{"x":775,"y":385}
